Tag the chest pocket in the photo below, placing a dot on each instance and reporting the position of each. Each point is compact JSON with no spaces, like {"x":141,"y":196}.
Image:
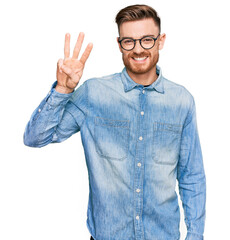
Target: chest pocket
{"x":166,"y":143}
{"x":112,"y":138}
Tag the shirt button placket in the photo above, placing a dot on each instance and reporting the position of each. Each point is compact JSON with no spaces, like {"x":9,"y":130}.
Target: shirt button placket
{"x":139,"y":169}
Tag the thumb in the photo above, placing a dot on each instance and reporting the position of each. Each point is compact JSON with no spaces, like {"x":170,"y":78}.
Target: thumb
{"x":59,"y":64}
{"x":65,"y":69}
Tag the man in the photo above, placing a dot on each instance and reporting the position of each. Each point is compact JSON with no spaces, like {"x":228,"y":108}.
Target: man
{"x":139,"y":135}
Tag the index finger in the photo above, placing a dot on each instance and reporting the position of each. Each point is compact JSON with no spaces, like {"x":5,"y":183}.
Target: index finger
{"x":67,"y":45}
{"x":78,"y":45}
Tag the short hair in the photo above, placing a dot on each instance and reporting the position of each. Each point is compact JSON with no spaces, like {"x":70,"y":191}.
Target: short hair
{"x":137,"y":12}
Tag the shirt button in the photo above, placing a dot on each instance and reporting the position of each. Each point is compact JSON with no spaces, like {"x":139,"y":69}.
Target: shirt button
{"x":139,"y":164}
{"x":143,"y":91}
{"x":39,"y":109}
{"x":140,"y":138}
{"x":138,"y":190}
{"x":137,"y":217}
{"x":142,"y":113}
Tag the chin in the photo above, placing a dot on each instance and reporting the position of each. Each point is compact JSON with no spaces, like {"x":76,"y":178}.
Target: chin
{"x":145,"y":68}
{"x":140,"y":70}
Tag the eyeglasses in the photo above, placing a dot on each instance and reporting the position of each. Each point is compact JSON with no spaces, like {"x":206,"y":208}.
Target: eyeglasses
{"x":146,"y":42}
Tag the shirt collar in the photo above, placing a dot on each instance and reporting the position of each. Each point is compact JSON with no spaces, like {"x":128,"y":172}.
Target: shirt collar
{"x":129,"y":84}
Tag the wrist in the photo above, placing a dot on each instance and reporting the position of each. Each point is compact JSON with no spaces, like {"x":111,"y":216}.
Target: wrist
{"x":63,"y":90}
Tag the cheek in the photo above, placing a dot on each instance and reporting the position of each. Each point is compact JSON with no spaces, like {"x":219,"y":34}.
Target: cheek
{"x":154,"y":51}
{"x":126,"y":55}
{"x":154,"y":54}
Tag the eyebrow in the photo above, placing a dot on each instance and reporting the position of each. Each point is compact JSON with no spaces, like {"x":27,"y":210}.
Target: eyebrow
{"x":148,"y":35}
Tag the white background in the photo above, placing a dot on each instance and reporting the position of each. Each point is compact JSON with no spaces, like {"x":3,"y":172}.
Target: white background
{"x":44,"y":192}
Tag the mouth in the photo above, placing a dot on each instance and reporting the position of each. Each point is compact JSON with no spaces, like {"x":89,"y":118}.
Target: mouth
{"x":139,"y":59}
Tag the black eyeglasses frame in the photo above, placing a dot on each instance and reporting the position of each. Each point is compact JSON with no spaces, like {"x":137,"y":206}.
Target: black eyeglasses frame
{"x":139,"y":42}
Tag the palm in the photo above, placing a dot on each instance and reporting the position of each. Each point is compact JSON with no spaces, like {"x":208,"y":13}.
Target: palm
{"x":70,"y":70}
{"x":77,"y":71}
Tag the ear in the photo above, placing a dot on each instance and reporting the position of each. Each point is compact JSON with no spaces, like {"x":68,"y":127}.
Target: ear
{"x":119,"y":45}
{"x":162,"y":41}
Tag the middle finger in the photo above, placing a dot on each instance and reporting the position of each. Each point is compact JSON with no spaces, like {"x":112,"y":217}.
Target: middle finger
{"x":78,"y":45}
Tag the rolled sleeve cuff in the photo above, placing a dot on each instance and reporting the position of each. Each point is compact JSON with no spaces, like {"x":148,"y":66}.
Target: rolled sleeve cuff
{"x":55,"y":98}
{"x":194,"y":236}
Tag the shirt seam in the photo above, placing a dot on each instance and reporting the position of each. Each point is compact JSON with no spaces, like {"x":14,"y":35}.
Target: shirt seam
{"x":189,"y":114}
{"x":86,"y":113}
{"x":72,"y":116}
{"x":87,"y":103}
{"x":194,"y":233}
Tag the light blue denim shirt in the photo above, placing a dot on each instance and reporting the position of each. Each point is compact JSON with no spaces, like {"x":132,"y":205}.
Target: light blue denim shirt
{"x":137,"y":142}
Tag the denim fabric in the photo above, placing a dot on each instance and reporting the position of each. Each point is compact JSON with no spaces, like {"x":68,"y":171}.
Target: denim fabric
{"x":137,"y":142}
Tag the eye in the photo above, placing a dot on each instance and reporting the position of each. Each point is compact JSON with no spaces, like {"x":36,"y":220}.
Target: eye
{"x":127,"y":41}
{"x":147,"y":40}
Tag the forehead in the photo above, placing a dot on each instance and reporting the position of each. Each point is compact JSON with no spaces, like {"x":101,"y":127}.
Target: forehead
{"x":139,"y":28}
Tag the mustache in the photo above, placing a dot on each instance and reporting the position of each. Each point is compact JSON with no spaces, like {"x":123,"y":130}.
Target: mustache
{"x":141,"y":55}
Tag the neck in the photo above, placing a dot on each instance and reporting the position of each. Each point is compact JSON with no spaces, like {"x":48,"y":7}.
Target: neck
{"x":144,"y":78}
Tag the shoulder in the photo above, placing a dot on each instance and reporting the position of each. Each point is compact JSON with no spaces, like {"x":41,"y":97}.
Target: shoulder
{"x":173,"y":86}
{"x":96,"y":86}
{"x":179,"y":92}
{"x":103,"y":79}
{"x":177,"y":88}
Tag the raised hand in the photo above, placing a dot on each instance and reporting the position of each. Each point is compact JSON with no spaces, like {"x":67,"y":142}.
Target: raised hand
{"x":70,"y":69}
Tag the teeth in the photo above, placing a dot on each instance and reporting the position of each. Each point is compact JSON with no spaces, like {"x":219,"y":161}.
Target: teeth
{"x":140,"y":59}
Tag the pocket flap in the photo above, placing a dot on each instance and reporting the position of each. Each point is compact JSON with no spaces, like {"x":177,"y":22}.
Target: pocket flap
{"x":158,"y":126}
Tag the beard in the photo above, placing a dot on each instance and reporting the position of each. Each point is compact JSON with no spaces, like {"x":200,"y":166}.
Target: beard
{"x":138,"y":68}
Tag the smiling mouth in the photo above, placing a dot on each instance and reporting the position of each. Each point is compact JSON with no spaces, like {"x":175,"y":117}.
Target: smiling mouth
{"x":142,"y":59}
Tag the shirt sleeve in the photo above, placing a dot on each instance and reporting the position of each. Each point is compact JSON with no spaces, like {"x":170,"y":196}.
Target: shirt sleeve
{"x":57,"y":117}
{"x":191,"y":178}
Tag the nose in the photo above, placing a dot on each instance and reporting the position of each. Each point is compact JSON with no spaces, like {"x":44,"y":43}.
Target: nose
{"x":138,"y":48}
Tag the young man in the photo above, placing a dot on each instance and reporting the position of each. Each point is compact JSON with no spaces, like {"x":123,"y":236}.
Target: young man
{"x":139,"y":134}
